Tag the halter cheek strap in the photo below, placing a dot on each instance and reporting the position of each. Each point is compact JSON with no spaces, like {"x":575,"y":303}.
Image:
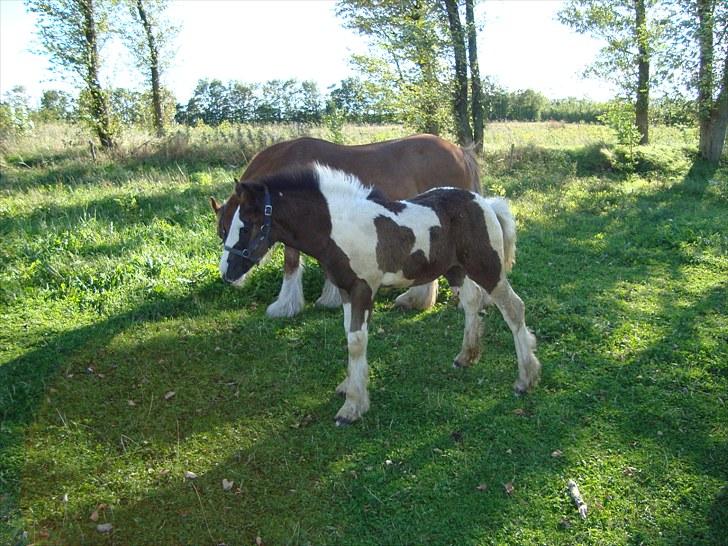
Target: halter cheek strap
{"x":262,"y":237}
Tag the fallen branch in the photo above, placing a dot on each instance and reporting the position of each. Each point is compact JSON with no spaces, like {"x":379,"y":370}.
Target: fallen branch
{"x":574,"y":492}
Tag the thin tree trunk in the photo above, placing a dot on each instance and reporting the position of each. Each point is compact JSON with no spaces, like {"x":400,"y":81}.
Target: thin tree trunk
{"x":476,"y":99}
{"x":153,"y":68}
{"x":99,"y":106}
{"x":643,"y":72}
{"x":460,"y":99}
{"x":712,"y":115}
{"x":713,"y":134}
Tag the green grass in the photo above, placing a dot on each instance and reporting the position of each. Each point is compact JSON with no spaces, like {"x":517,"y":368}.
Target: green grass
{"x":110,"y":299}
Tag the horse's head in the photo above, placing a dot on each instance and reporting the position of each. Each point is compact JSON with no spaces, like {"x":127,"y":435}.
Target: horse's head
{"x":243,"y":224}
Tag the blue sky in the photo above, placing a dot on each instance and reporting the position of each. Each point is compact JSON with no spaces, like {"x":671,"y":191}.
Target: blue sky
{"x":521,"y":45}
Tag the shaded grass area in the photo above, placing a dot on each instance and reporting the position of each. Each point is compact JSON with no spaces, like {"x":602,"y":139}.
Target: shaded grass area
{"x":111,"y":301}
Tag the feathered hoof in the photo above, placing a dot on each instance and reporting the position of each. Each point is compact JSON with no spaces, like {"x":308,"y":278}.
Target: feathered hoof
{"x":342,"y":387}
{"x":459,"y":365}
{"x":520,"y":388}
{"x":341,"y":422}
{"x":279,"y":309}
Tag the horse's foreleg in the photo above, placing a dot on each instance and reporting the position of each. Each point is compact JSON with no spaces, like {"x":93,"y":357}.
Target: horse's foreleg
{"x":420,"y":297}
{"x":290,"y":299}
{"x":513,"y":311}
{"x":471,"y":302}
{"x":357,"y":311}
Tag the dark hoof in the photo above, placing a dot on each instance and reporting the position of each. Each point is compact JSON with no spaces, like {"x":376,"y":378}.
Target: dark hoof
{"x":459,"y":365}
{"x":341,"y":422}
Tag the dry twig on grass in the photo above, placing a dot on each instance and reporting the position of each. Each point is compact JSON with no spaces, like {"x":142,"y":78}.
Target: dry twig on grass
{"x":576,"y":496}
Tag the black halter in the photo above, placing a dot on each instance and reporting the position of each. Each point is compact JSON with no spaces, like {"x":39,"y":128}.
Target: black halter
{"x":262,"y":237}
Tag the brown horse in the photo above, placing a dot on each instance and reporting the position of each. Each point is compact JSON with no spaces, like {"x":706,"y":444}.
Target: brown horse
{"x":400,"y":169}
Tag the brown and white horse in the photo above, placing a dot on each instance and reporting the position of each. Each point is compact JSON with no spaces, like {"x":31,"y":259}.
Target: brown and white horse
{"x":365,"y":241}
{"x":399,"y":168}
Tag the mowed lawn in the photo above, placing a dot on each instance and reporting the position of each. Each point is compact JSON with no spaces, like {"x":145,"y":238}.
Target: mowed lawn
{"x":126,"y":363}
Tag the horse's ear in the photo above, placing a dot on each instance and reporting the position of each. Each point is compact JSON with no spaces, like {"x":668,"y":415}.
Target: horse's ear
{"x":215,"y":205}
{"x":247,"y":192}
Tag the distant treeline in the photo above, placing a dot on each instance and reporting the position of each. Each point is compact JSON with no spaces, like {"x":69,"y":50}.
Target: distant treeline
{"x":291,"y":101}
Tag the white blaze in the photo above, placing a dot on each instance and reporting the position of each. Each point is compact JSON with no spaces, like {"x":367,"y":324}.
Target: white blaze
{"x":231,"y":240}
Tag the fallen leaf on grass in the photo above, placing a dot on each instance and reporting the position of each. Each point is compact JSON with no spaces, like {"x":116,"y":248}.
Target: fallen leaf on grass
{"x":508,"y":487}
{"x":190,"y":475}
{"x":557,"y":453}
{"x":303,"y":422}
{"x":630,"y":471}
{"x":482,"y":487}
{"x":131,"y":402}
{"x":227,"y":485}
{"x":258,"y":541}
{"x":519,"y":411}
{"x":104,"y":527}
{"x":169,"y":395}
{"x":99,"y":508}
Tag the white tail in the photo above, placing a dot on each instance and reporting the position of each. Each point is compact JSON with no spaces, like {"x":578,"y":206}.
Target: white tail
{"x":508,"y":225}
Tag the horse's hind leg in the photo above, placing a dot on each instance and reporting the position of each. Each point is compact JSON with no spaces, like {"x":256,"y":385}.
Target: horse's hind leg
{"x":290,"y":299}
{"x":419,"y":297}
{"x":471,"y":301}
{"x":330,"y":296}
{"x":513,"y":311}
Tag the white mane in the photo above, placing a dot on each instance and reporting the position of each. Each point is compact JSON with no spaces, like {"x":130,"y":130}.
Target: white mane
{"x":340,"y":186}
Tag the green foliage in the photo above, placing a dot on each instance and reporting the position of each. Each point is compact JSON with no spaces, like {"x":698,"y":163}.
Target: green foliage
{"x":334,"y":120}
{"x":56,"y":106}
{"x":15,"y":112}
{"x":619,"y":116}
{"x":614,"y":22}
{"x":110,"y":298}
{"x":275,"y":101}
{"x":409,"y":56}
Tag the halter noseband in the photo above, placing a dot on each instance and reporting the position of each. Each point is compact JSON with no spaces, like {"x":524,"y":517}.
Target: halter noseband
{"x":262,"y":237}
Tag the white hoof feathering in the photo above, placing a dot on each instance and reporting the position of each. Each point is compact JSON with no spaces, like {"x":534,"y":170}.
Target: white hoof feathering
{"x":290,"y":299}
{"x":330,"y":296}
{"x":418,"y":297}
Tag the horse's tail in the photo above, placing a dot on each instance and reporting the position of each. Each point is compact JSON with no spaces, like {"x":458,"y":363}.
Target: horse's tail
{"x":471,"y":166}
{"x":508,"y":227}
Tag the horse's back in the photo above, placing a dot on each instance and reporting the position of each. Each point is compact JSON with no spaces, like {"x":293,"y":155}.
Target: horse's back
{"x":400,"y":168}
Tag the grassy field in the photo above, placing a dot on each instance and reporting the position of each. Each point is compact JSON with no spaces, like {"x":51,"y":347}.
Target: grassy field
{"x":125,"y":362}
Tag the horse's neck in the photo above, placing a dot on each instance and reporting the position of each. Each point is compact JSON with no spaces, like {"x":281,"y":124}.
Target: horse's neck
{"x":297,"y":222}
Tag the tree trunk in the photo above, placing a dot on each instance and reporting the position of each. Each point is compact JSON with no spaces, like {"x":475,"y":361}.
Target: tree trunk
{"x":712,"y":115}
{"x":99,"y":106}
{"x":460,"y":99}
{"x":476,"y":99}
{"x":643,"y":72}
{"x":713,"y":129}
{"x":153,"y":68}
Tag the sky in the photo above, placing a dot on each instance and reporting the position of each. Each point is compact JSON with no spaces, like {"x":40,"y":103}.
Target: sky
{"x":520,"y":45}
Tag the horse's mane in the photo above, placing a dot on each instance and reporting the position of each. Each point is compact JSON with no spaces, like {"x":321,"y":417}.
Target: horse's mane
{"x":338,"y":185}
